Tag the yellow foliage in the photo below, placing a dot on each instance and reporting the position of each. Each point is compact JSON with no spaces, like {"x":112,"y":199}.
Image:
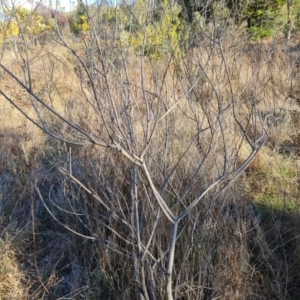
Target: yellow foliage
{"x":80,"y":25}
{"x":159,"y":38}
{"x":113,"y":16}
{"x":79,"y":20}
{"x":22,"y":20}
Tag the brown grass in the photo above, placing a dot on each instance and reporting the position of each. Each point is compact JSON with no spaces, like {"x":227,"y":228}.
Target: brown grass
{"x":221,"y":254}
{"x":12,"y":278}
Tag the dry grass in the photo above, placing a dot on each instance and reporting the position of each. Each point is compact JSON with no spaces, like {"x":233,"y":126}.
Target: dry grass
{"x":12,"y":278}
{"x":221,"y":254}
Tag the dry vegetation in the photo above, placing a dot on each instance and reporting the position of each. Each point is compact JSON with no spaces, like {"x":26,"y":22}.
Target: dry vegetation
{"x":239,"y":243}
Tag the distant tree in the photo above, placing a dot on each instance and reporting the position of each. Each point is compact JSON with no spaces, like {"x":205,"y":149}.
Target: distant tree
{"x":189,"y":7}
{"x":289,"y":22}
{"x":19,"y":19}
{"x":52,"y":16}
{"x":259,"y":14}
{"x":79,"y":19}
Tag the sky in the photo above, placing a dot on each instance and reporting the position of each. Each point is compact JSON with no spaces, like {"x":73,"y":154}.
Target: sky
{"x":66,"y":5}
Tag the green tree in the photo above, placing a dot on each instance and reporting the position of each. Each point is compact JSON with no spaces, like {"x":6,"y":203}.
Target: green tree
{"x":79,"y":20}
{"x":261,"y":15}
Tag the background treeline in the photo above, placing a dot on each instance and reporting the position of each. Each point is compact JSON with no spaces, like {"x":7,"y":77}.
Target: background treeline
{"x":259,"y":18}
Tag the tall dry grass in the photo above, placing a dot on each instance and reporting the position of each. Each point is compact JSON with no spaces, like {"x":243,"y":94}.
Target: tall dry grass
{"x":231,"y":248}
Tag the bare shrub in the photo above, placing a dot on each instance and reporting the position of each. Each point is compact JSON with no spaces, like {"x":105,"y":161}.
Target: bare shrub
{"x":145,"y":153}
